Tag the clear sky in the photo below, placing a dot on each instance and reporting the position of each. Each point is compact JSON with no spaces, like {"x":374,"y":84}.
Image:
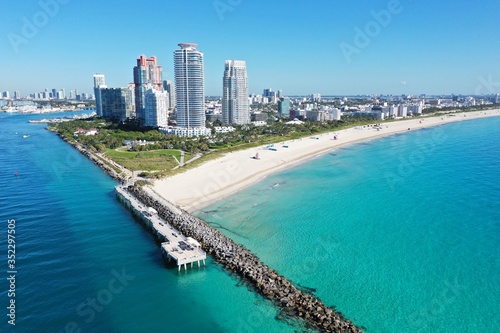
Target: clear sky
{"x":301,"y":46}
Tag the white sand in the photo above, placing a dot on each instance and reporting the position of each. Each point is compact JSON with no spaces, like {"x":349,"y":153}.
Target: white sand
{"x":214,"y":180}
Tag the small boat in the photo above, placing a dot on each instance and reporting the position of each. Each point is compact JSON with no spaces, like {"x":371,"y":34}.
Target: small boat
{"x":26,"y":136}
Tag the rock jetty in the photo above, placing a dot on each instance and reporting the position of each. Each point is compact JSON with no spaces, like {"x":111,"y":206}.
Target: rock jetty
{"x":292,"y":301}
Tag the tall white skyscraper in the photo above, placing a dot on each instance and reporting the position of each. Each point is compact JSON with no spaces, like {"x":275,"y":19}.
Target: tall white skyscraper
{"x":189,"y":86}
{"x":99,"y":83}
{"x":235,"y":109}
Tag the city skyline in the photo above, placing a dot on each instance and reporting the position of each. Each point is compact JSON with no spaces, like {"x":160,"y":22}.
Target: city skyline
{"x":351,"y":48}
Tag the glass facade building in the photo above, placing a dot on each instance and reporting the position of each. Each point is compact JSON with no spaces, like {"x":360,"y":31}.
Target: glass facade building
{"x":235,"y":108}
{"x":189,"y":86}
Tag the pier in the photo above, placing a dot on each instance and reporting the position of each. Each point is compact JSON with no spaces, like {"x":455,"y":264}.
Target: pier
{"x":292,"y":301}
{"x":184,"y":250}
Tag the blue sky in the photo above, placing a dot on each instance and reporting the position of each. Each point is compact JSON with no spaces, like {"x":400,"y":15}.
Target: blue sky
{"x":331,"y":47}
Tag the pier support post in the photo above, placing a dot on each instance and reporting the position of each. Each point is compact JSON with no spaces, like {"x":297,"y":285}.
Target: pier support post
{"x":185,"y":267}
{"x":204,"y":263}
{"x":178,"y":268}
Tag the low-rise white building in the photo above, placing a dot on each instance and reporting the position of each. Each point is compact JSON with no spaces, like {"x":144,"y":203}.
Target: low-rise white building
{"x":187,"y":132}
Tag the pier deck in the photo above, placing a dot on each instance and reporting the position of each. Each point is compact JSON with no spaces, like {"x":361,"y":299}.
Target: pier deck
{"x":184,"y":250}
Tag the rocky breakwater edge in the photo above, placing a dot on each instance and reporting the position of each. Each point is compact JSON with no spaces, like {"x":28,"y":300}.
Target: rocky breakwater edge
{"x":292,"y":301}
{"x":92,"y":157}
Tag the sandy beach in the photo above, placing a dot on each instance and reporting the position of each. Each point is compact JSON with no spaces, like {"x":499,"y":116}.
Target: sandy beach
{"x":214,"y":180}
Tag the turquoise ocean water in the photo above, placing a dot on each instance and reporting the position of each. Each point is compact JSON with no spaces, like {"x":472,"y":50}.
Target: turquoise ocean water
{"x":85,"y":265}
{"x":401,"y":234}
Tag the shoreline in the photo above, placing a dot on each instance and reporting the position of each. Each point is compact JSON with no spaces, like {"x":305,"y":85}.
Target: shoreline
{"x":215,"y":180}
{"x":236,"y":258}
{"x":292,"y":302}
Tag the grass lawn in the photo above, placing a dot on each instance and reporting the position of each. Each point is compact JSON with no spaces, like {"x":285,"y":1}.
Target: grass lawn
{"x":154,"y":160}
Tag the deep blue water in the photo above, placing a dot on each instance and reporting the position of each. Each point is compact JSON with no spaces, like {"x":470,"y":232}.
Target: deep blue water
{"x":402,"y":234}
{"x":83,"y":262}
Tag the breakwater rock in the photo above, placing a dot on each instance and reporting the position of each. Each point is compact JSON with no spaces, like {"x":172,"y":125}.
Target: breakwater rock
{"x":292,"y":301}
{"x":97,"y":161}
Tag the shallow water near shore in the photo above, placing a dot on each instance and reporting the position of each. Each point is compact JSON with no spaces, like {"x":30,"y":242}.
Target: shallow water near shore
{"x":84,"y":263}
{"x":401,"y":234}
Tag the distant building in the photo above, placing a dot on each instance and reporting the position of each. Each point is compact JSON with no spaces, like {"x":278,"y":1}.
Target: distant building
{"x":336,"y":114}
{"x":415,"y":109}
{"x":284,"y":107}
{"x":147,"y":75}
{"x":235,"y":108}
{"x":117,"y":103}
{"x":187,"y":132}
{"x":6,"y":95}
{"x":17,"y":95}
{"x":298,"y":114}
{"x":224,"y":129}
{"x":213,"y":117}
{"x":269,"y":96}
{"x":189,"y":86}
{"x":156,"y":108}
{"x":402,"y":111}
{"x":258,"y":116}
{"x":268,"y":93}
{"x":99,"y":83}
{"x":316,"y":98}
{"x":169,"y":87}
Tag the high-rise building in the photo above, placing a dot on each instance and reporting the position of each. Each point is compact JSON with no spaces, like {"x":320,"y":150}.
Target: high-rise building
{"x":402,"y":111}
{"x":269,"y":96}
{"x":169,"y":87}
{"x":235,"y":109}
{"x":316,"y":97}
{"x":54,"y":93}
{"x":147,"y":75}
{"x":189,"y":86}
{"x":117,"y":103}
{"x":156,"y":108}
{"x":284,"y":107}
{"x":17,"y":95}
{"x":6,"y":94}
{"x":99,"y":83}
